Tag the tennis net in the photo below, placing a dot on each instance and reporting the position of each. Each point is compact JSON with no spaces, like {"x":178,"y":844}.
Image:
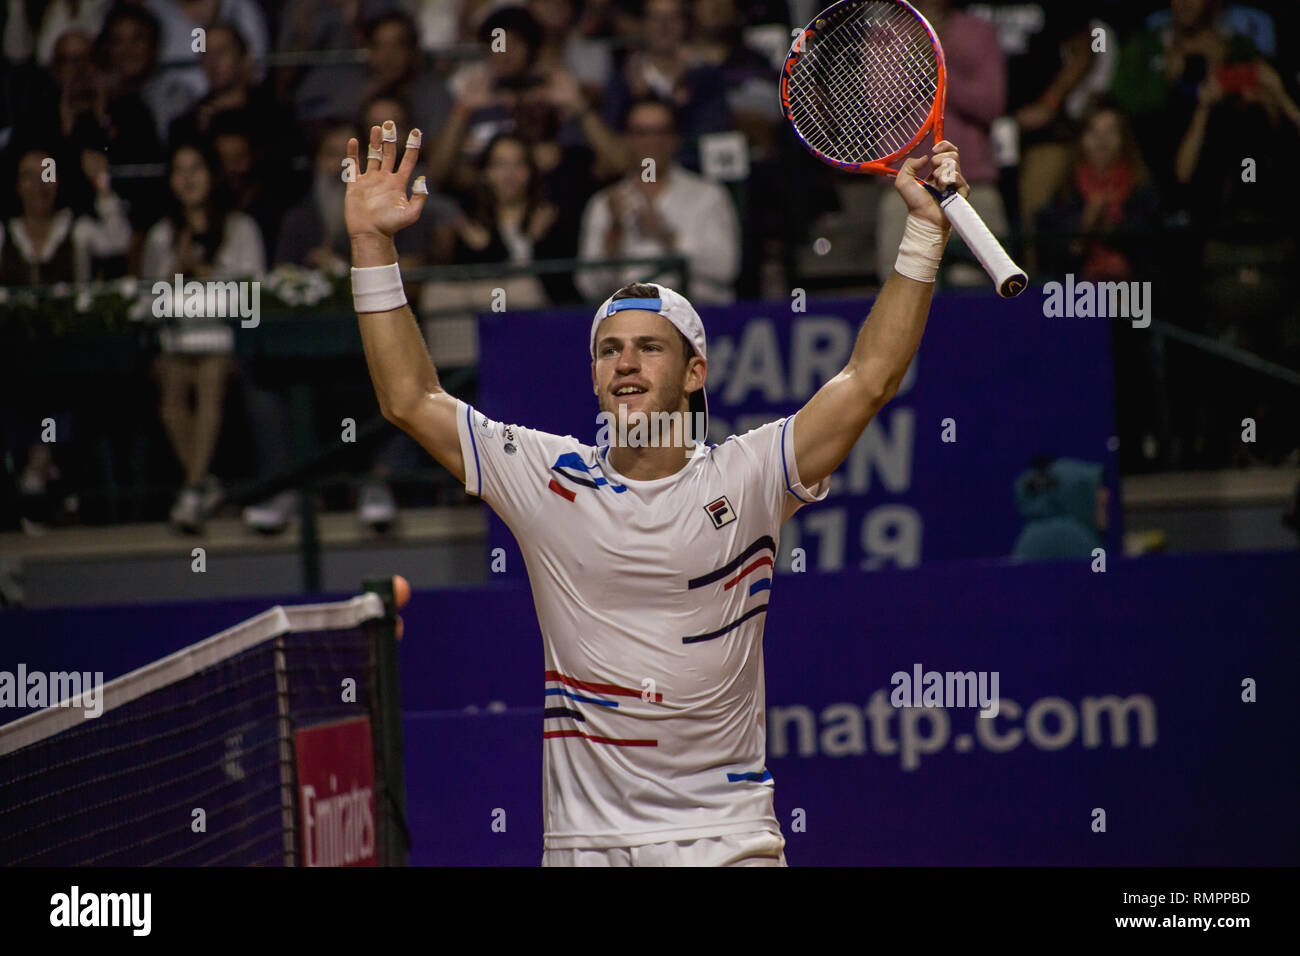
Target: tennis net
{"x":192,"y":761}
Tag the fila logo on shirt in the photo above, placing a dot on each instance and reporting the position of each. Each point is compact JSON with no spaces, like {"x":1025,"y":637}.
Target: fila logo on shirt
{"x":720,"y":512}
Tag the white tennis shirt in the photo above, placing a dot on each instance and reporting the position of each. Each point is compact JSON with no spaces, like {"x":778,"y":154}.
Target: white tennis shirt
{"x":651,"y":598}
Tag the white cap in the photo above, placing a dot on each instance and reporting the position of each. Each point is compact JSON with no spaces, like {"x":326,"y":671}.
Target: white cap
{"x":674,"y":307}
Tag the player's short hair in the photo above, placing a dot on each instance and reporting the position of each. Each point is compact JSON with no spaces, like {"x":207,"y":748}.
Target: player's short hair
{"x":641,"y":290}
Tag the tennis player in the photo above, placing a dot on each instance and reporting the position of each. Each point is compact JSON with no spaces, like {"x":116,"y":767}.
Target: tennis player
{"x":651,"y":568}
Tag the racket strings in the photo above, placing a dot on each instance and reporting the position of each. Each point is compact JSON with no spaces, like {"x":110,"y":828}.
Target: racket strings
{"x":865,"y":84}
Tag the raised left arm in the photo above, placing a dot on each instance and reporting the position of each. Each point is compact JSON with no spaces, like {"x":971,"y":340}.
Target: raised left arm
{"x":830,"y":423}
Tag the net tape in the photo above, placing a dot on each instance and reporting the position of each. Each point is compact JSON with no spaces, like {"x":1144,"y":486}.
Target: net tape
{"x":201,"y":727}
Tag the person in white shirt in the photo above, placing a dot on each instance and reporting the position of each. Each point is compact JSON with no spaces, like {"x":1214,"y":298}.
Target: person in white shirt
{"x":199,"y":239}
{"x":48,"y":242}
{"x":651,"y":562}
{"x":660,"y":208}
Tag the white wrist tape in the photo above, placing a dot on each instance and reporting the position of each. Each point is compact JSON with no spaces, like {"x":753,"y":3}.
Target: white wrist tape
{"x":378,"y":289}
{"x":921,"y":249}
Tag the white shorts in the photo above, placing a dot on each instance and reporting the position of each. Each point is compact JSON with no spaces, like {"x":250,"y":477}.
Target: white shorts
{"x":761,"y":848}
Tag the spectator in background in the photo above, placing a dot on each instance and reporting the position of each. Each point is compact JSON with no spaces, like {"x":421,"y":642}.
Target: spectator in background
{"x":1099,"y":227}
{"x":127,"y":51}
{"x":47,"y":242}
{"x":81,"y":115}
{"x":512,"y":221}
{"x":442,"y":23}
{"x":43,"y":244}
{"x":319,"y":25}
{"x":179,"y":19}
{"x":394,"y":69}
{"x":1242,"y":225}
{"x":1050,"y":56}
{"x":228,"y":70}
{"x":563,"y":46}
{"x":508,"y":92}
{"x":250,"y":182}
{"x":718,"y":41}
{"x":486,"y":92}
{"x":24,"y":38}
{"x":1160,"y":73}
{"x":1101,"y":220}
{"x":662,"y":66}
{"x":1236,"y":104}
{"x":313,"y":233}
{"x":200,"y":237}
{"x":977,"y":95}
{"x":675,"y":211}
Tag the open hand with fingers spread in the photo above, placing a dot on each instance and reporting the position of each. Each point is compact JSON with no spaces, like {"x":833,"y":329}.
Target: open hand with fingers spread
{"x":376,"y":204}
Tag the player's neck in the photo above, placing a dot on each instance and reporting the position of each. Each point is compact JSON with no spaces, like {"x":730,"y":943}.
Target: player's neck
{"x":648,"y":463}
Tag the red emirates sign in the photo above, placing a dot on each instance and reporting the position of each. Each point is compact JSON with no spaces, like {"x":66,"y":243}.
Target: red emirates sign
{"x":336,"y":794}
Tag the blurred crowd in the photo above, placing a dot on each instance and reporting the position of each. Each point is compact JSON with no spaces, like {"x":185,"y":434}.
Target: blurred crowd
{"x":1116,"y":140}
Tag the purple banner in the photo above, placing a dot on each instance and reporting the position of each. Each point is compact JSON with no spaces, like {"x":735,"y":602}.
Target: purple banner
{"x":995,"y":384}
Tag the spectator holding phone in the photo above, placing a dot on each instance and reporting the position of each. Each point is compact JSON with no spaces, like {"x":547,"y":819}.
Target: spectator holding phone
{"x":1159,"y":80}
{"x":1253,"y":89}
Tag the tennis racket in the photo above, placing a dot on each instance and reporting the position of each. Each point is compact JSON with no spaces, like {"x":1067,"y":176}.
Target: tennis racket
{"x":862,"y":85}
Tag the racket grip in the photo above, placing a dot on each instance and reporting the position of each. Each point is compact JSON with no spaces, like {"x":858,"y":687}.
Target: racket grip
{"x":1008,"y":277}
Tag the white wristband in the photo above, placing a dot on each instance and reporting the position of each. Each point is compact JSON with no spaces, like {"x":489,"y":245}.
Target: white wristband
{"x":378,"y":289}
{"x":921,"y":249}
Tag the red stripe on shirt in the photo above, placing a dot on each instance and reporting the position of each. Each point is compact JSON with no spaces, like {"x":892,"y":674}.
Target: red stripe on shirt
{"x":598,"y":688}
{"x":560,"y":490}
{"x":757,"y":564}
{"x":613,"y":741}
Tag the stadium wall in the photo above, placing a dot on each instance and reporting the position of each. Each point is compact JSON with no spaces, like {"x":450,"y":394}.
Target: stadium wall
{"x":1122,"y":692}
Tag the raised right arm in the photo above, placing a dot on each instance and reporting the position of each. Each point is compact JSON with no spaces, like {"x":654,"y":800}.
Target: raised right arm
{"x":405,"y":380}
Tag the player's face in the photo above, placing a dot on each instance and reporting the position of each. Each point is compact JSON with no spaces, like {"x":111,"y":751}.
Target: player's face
{"x":639,"y":353}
